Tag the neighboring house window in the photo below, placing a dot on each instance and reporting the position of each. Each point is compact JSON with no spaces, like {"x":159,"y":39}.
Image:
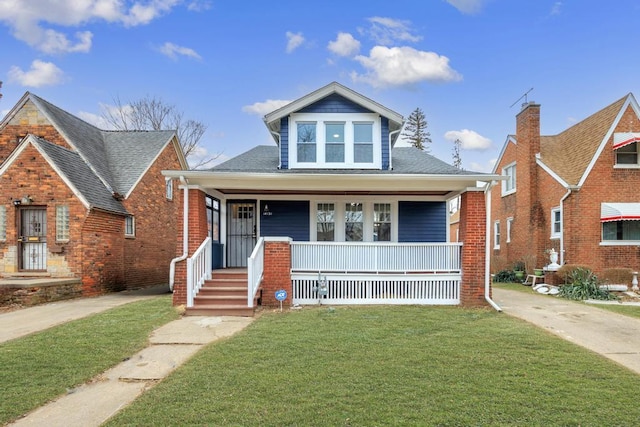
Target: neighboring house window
{"x":334,"y":142}
{"x":306,"y":142}
{"x":169,"y":188}
{"x":627,"y":155}
{"x":129,"y":226}
{"x":363,"y":142}
{"x":62,"y":222}
{"x":3,"y":223}
{"x":621,"y":230}
{"x":353,"y":223}
{"x":496,"y":235}
{"x":509,"y":223}
{"x":556,"y":223}
{"x":326,"y":225}
{"x":382,"y":222}
{"x":509,"y":185}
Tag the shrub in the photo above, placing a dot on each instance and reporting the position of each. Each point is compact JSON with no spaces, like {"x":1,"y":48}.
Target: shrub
{"x":566,"y":271}
{"x":584,"y":285}
{"x":504,"y":276}
{"x":618,"y":276}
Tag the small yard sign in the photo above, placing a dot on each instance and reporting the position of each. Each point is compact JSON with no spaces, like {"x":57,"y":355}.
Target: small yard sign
{"x":281,"y":295}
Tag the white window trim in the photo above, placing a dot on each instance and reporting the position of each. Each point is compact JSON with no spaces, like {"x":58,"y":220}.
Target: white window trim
{"x":339,"y":217}
{"x":168,"y":188}
{"x":496,"y":235}
{"x":133,"y":226}
{"x":509,"y":223}
{"x":348,"y":119}
{"x":556,"y":235}
{"x":506,"y":192}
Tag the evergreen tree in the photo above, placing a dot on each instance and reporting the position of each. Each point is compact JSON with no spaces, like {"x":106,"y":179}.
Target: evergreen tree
{"x":457,"y":160}
{"x":415,"y":131}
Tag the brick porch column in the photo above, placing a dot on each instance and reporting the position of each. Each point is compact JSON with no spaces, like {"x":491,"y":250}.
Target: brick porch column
{"x":473,"y":237}
{"x":198,"y":231}
{"x":277,"y":270}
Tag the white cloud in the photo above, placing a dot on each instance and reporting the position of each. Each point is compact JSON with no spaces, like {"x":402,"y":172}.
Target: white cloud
{"x":486,"y":167}
{"x":28,"y":19}
{"x":556,"y":9}
{"x":470,"y":140}
{"x":263,"y":108}
{"x":96,"y":120}
{"x":40,"y":74}
{"x":294,"y":40}
{"x":398,"y":66}
{"x":173,"y":50}
{"x":467,"y":6}
{"x":387,"y":31}
{"x":199,"y":5}
{"x":344,"y":45}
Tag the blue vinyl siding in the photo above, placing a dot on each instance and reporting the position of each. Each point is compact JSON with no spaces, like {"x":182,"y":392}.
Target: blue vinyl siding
{"x":334,"y":104}
{"x":284,"y":143}
{"x":285,"y":218}
{"x":422,"y":222}
{"x":384,"y":134}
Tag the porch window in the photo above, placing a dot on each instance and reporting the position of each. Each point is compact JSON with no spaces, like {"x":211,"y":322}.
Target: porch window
{"x":168,"y":188}
{"x":306,"y":142}
{"x":363,"y":142}
{"x":627,"y":155}
{"x":3,"y":223}
{"x":496,"y":235}
{"x":334,"y":146}
{"x":382,"y":222}
{"x":556,"y":223}
{"x":129,"y":226}
{"x":62,"y":223}
{"x":326,"y":225}
{"x":621,"y":230}
{"x":509,"y":185}
{"x":354,"y":222}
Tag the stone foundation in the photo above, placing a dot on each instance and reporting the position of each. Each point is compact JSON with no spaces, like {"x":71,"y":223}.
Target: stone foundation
{"x":14,"y":294}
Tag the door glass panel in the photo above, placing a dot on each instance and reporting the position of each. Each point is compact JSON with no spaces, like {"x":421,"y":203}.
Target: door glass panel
{"x":354,"y":224}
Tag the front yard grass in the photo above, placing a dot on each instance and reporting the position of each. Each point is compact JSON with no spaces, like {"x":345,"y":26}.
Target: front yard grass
{"x":44,"y":365}
{"x":373,"y":366}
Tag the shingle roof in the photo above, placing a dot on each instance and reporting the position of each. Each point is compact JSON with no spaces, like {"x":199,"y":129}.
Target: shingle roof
{"x":406,"y":160}
{"x":569,"y":153}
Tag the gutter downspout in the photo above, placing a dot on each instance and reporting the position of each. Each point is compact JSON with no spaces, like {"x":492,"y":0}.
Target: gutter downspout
{"x":185,"y":236}
{"x":390,"y":156}
{"x":487,"y":254}
{"x":569,"y":190}
{"x":279,"y":148}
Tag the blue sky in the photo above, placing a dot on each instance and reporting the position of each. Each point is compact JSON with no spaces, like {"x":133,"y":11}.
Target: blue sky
{"x":227,"y":63}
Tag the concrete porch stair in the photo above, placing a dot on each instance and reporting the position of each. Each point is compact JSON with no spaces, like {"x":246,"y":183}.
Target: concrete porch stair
{"x":224,"y":295}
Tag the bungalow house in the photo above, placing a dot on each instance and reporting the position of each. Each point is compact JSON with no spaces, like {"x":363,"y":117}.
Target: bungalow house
{"x":84,"y":204}
{"x":574,"y":192}
{"x":335,"y":212}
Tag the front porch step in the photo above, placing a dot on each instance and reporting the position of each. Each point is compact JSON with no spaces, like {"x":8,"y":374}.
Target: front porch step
{"x":225,"y":294}
{"x":220,"y":310}
{"x":223,"y":300}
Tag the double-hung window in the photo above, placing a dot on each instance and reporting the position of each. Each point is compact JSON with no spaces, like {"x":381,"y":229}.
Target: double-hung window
{"x":129,"y":226}
{"x":556,"y":223}
{"x":334,"y":142}
{"x":326,"y":222}
{"x":353,"y":222}
{"x":382,"y":222}
{"x":627,"y":155}
{"x":509,"y":185}
{"x":509,"y":226}
{"x":496,"y":235}
{"x":363,"y":142}
{"x":306,"y":132}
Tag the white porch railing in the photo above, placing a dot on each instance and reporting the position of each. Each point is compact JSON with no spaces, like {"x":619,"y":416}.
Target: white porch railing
{"x":375,"y":273}
{"x":198,"y":270}
{"x":255,"y":270}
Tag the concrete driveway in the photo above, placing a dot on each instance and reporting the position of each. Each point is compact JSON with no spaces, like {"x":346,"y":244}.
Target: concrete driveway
{"x":612,"y":335}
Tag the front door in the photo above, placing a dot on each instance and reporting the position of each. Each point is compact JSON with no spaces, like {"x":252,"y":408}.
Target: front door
{"x":33,"y":239}
{"x":241,"y":232}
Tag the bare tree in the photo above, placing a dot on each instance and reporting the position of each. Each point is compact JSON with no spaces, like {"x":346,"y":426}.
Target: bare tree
{"x":457,"y":160}
{"x":151,"y":113}
{"x":415,"y":130}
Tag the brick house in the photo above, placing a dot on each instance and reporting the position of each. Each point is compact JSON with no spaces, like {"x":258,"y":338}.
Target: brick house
{"x":84,"y":203}
{"x":575,"y":192}
{"x":333,"y":213}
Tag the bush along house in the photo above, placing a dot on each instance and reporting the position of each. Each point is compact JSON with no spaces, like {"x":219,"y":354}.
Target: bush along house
{"x":84,"y":204}
{"x":333,"y":213}
{"x":574,"y":193}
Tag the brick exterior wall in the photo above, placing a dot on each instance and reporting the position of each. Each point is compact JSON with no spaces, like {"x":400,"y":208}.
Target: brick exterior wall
{"x":277,"y":272}
{"x":473,"y":237}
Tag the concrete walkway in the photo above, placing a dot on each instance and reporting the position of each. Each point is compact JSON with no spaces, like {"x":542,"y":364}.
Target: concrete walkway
{"x":93,"y":403}
{"x":612,"y":335}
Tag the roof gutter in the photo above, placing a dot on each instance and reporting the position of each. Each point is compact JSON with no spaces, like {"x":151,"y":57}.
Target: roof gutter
{"x":185,"y":235}
{"x":487,"y":265}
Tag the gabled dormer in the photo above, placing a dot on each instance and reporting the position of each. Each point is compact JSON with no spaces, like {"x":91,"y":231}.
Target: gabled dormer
{"x":334,"y":128}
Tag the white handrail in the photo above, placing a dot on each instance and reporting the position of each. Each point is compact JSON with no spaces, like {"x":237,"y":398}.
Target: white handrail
{"x":255,"y":270}
{"x":198,"y":270}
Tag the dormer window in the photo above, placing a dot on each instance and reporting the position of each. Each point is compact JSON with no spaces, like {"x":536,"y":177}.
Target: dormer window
{"x":335,"y":141}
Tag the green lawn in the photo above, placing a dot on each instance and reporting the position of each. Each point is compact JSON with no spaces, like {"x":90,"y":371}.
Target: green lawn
{"x":42,"y":366}
{"x":368,"y":366}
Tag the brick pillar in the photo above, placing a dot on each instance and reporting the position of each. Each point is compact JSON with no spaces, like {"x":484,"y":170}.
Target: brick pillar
{"x":473,"y":237}
{"x":198,"y":231}
{"x":277,"y":270}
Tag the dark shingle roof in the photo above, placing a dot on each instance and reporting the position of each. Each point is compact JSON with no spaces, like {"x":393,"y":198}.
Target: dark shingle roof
{"x":406,"y":160}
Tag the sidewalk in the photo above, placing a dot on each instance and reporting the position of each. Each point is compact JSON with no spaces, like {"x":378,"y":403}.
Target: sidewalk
{"x":91,"y":404}
{"x":612,"y":335}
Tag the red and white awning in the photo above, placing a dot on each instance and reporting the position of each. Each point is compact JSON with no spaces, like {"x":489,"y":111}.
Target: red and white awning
{"x":619,"y":212}
{"x":620,"y":139}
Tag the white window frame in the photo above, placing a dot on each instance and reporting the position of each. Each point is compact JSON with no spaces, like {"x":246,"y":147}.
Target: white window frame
{"x":63,"y":226}
{"x":635,"y":165}
{"x":509,"y":224}
{"x":3,"y":223}
{"x":321,"y":119}
{"x":616,"y":242}
{"x":556,"y":234}
{"x":496,"y":235}
{"x":168,"y":188}
{"x":339,"y":218}
{"x":132,"y":220}
{"x":509,"y":171}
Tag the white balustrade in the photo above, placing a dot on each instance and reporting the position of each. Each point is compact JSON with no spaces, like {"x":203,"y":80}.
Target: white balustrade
{"x":198,"y":270}
{"x":255,"y":270}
